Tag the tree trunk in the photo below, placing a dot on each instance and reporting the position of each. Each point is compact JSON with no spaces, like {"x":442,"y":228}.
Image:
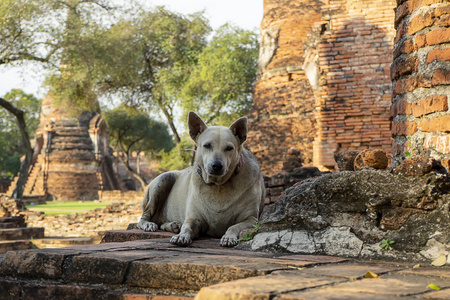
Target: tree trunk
{"x":25,"y":166}
{"x":169,"y":118}
{"x":126,"y":162}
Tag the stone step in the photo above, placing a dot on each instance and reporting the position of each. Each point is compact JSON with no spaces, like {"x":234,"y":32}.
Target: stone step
{"x":61,"y":242}
{"x":12,"y":222}
{"x":34,"y":199}
{"x":142,"y":266}
{"x":6,"y":246}
{"x":11,"y":234}
{"x":155,"y":269}
{"x":113,"y":236}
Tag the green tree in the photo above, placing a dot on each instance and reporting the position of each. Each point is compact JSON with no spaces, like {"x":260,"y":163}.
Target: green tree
{"x":151,"y":57}
{"x":83,"y":48}
{"x":11,"y":144}
{"x":26,"y":32}
{"x":221,"y":85}
{"x":132,"y":130}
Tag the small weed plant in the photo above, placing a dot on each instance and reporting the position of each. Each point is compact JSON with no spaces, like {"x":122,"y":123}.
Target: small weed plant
{"x":386,"y":244}
{"x":249,"y":235}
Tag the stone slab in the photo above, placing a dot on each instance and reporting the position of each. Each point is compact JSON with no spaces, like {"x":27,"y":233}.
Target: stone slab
{"x":9,"y":234}
{"x":441,"y":295}
{"x":351,"y":271}
{"x":264,"y":287}
{"x":60,"y":242}
{"x":132,"y":235}
{"x":394,"y":285}
{"x":6,"y":246}
{"x":331,"y":294}
{"x":192,"y":272}
{"x":155,"y":269}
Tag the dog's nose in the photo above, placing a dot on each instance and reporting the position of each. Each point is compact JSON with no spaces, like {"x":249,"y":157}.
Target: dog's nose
{"x":217,"y":167}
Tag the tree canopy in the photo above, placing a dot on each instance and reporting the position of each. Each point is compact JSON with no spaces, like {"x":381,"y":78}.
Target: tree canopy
{"x":11,"y":144}
{"x":131,"y":130}
{"x":221,"y":84}
{"x":152,"y":55}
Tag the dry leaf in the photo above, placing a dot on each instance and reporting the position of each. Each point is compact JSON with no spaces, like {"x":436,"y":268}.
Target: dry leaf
{"x":440,"y":261}
{"x":434,"y":287}
{"x":417,"y":266}
{"x":371,"y":275}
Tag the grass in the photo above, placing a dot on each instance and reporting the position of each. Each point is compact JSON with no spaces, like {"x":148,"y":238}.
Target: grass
{"x":67,"y":207}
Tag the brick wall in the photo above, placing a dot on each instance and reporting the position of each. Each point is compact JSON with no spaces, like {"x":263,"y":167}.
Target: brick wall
{"x":353,"y":97}
{"x":284,"y":101}
{"x":421,"y":77}
{"x":324,"y":80}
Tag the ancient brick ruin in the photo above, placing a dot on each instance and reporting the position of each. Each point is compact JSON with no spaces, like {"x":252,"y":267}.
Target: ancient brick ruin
{"x":421,"y":78}
{"x":71,"y":156}
{"x":324,"y":81}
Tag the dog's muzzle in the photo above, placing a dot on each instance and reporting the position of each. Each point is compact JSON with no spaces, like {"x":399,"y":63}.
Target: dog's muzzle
{"x":216,"y":168}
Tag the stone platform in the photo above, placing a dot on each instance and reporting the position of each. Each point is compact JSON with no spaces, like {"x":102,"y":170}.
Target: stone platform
{"x":152,"y":268}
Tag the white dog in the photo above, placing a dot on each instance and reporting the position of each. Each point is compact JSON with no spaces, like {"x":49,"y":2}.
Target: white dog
{"x":221,"y":194}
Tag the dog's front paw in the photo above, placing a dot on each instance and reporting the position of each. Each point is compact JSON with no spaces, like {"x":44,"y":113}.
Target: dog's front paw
{"x":174,"y":227}
{"x":147,"y":226}
{"x":228,"y":241}
{"x":181,"y":240}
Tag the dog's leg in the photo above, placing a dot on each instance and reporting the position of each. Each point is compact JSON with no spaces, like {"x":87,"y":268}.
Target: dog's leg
{"x":189,"y":231}
{"x":230,"y":238}
{"x":171,"y":227}
{"x":154,"y":199}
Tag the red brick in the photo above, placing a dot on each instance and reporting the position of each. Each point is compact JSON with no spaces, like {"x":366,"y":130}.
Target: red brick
{"x":398,"y":149}
{"x":402,"y":67}
{"x":420,"y":41}
{"x":420,"y":21}
{"x":422,"y":3}
{"x":403,"y":107}
{"x":441,"y":76}
{"x":405,"y":47}
{"x":443,"y":21}
{"x":404,"y":128}
{"x":440,"y":124}
{"x":429,"y":105}
{"x":400,"y":12}
{"x":400,"y":107}
{"x":393,"y":110}
{"x":438,"y":36}
{"x":439,"y":143}
{"x":439,"y":54}
{"x":442,"y":10}
{"x":401,"y":30}
{"x":409,"y":84}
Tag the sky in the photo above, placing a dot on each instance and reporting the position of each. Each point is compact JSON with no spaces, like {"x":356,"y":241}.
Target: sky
{"x":246,"y":14}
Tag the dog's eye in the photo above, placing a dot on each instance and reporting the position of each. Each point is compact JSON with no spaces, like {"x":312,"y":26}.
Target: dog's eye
{"x":207,"y":146}
{"x":229,"y":148}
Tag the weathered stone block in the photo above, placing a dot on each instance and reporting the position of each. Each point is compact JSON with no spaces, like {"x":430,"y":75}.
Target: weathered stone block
{"x":345,"y":160}
{"x":33,"y":264}
{"x":417,"y":166}
{"x":349,"y":213}
{"x":374,"y":158}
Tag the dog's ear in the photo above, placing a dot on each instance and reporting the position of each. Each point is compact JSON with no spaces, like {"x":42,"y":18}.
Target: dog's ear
{"x":196,"y":125}
{"x":239,"y":129}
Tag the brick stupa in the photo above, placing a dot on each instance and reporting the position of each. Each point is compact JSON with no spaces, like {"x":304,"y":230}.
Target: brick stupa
{"x":71,"y":158}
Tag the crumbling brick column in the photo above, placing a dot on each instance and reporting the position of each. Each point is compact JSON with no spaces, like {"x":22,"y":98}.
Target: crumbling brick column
{"x":283,"y":114}
{"x":324,"y":81}
{"x":421,"y":77}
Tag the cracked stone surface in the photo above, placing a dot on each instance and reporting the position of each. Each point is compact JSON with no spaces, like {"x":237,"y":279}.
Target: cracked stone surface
{"x":350,"y":213}
{"x":155,"y":269}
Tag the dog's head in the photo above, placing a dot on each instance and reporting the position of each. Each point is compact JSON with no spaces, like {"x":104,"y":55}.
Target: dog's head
{"x":218,"y":148}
